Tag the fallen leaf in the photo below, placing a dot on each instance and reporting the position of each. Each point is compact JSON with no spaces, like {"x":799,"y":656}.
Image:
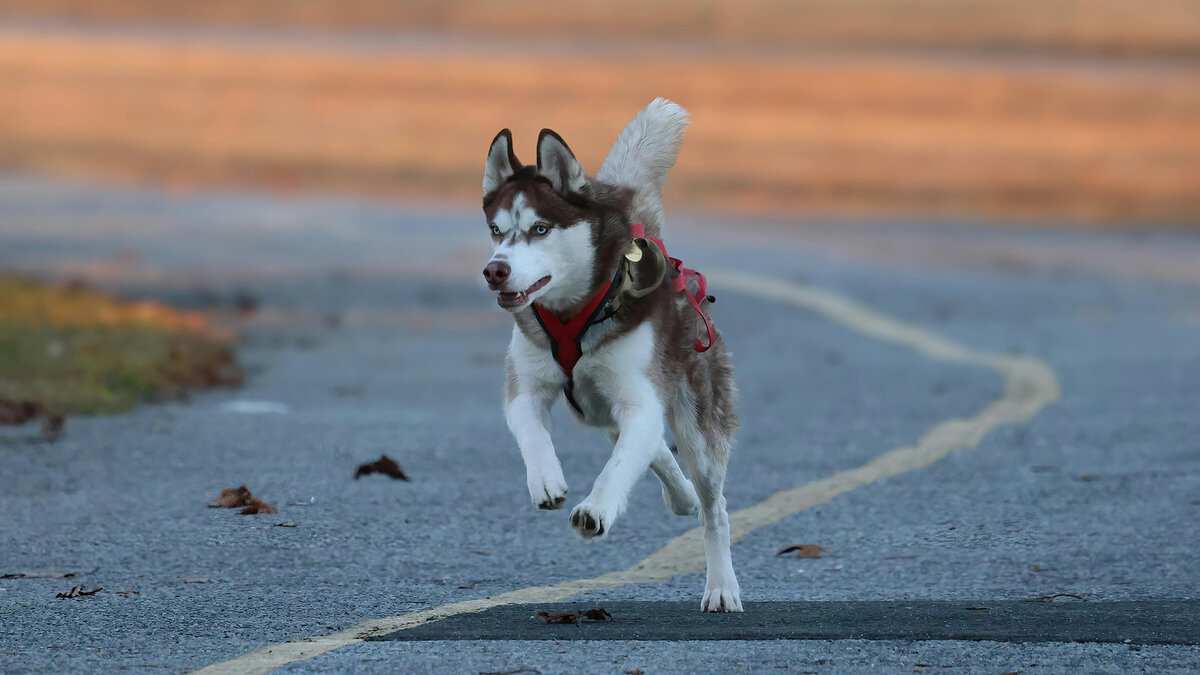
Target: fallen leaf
{"x":384,"y":465}
{"x":1039,"y":568}
{"x":231,"y":498}
{"x":565,"y":617}
{"x":127,"y":592}
{"x":635,"y":671}
{"x":287,"y":524}
{"x":1089,"y":478}
{"x":256,"y":506}
{"x":804,"y":550}
{"x":977,"y":608}
{"x":597,"y":614}
{"x":78,"y":592}
{"x":19,"y":412}
{"x":194,"y":580}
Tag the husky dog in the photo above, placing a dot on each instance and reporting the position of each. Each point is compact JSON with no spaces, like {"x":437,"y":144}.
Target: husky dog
{"x":562,"y":238}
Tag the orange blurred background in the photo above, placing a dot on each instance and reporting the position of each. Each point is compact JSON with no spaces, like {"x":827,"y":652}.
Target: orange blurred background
{"x":1064,"y":111}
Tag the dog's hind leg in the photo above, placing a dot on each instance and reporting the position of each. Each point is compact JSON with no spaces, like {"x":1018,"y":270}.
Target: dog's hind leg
{"x":705,"y":455}
{"x":678,"y":492}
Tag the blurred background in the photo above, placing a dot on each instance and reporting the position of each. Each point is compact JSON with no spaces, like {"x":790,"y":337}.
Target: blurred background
{"x":312,"y":163}
{"x":1066,"y":111}
{"x":280,"y":199}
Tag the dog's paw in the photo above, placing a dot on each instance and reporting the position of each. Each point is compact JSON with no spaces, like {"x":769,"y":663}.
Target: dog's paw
{"x":721,"y":598}
{"x":682,"y":501}
{"x":548,"y":494}
{"x":590,"y":521}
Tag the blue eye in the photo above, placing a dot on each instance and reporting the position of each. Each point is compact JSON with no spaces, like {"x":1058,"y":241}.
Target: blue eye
{"x":541,"y":229}
{"x":495,"y":230}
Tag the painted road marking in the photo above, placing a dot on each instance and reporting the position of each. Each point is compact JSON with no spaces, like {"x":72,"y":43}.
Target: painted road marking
{"x":1142,"y":622}
{"x":1029,"y":386}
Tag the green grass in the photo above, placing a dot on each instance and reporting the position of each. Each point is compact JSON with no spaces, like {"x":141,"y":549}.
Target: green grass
{"x":82,"y":352}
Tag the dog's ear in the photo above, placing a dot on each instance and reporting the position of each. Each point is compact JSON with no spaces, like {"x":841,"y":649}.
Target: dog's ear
{"x":501,"y":162}
{"x":557,"y":163}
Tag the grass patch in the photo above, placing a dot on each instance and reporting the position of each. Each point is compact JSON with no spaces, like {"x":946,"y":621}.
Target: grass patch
{"x":70,"y":350}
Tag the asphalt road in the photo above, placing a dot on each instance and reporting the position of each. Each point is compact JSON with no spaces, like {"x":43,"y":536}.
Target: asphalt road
{"x":373,"y":336}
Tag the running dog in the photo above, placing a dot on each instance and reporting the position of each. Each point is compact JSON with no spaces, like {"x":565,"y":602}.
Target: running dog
{"x":605,"y":317}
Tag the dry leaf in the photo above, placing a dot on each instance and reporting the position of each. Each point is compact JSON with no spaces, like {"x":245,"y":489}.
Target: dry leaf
{"x":287,"y":524}
{"x":19,"y":412}
{"x":78,"y":592}
{"x":231,"y":498}
{"x":384,"y":465}
{"x":566,"y":617}
{"x":597,"y":614}
{"x":256,"y":506}
{"x":127,"y":592}
{"x":635,"y":671}
{"x":804,"y":550}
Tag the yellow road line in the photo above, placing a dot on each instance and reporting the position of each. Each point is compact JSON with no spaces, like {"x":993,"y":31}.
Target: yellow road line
{"x":1029,"y":386}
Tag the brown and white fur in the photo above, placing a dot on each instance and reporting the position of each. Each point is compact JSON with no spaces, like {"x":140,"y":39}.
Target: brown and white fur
{"x":558,"y":236}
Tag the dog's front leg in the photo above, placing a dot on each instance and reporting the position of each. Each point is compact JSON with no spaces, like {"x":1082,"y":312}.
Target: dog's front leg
{"x":639,"y":417}
{"x":527,"y":403}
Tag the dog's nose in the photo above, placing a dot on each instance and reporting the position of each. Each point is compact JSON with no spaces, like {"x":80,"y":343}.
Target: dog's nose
{"x":496,"y":273}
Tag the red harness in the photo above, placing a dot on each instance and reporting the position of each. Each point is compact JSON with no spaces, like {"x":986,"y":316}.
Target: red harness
{"x":679,"y":279}
{"x":566,"y":337}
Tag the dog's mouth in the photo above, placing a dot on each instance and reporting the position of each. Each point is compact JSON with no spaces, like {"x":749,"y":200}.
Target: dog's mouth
{"x":515,"y":300}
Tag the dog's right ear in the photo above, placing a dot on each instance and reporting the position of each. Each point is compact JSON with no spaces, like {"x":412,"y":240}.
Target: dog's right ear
{"x":501,"y":162}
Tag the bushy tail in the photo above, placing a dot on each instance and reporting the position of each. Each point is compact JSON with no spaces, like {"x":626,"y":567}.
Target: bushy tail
{"x":643,"y":154}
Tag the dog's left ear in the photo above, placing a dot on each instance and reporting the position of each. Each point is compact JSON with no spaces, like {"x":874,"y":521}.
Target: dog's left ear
{"x":556,"y":162}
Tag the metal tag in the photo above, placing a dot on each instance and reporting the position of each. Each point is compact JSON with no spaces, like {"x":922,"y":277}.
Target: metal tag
{"x":634,"y":253}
